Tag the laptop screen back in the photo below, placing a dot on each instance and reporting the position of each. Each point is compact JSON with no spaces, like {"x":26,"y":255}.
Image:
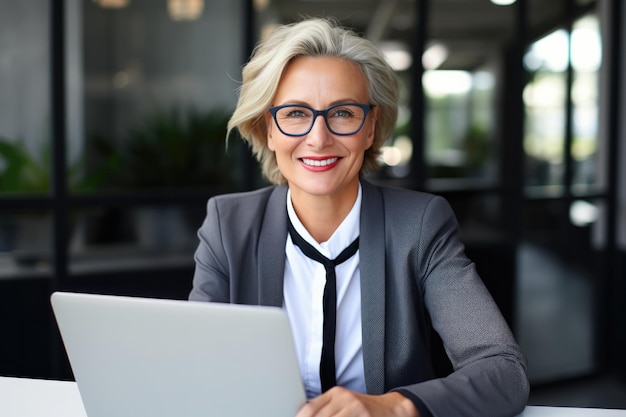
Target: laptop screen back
{"x":148,"y":357}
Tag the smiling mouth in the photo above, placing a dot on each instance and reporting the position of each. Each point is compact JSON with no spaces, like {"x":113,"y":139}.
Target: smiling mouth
{"x":319,"y":162}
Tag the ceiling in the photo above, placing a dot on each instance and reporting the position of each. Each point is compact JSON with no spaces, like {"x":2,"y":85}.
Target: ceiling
{"x":471,"y":30}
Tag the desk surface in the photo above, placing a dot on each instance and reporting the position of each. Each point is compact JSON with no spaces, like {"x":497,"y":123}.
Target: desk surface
{"x":23,"y":397}
{"x":536,"y":411}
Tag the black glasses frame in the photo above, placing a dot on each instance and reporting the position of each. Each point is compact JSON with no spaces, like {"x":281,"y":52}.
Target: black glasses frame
{"x":365,"y":107}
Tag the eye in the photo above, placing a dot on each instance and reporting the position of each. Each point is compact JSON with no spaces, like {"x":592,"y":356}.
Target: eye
{"x":294,"y":112}
{"x":342,"y":113}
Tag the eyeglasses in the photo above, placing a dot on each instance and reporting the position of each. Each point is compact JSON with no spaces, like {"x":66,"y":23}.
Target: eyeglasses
{"x":341,"y":119}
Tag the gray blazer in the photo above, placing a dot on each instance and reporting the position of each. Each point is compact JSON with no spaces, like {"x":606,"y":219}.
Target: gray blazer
{"x":414,"y":275}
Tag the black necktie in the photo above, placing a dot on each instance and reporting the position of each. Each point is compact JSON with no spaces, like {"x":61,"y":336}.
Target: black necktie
{"x":327,"y":362}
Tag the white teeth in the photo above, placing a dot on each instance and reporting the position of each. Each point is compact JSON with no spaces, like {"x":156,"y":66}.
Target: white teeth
{"x":319,"y":163}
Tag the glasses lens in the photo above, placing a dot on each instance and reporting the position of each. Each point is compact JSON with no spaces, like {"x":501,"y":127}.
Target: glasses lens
{"x":294,"y":120}
{"x":343,"y":119}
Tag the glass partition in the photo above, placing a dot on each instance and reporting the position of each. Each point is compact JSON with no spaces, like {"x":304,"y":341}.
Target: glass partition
{"x":25,"y":244}
{"x":545,"y":99}
{"x":586,"y":62}
{"x":25,"y":163}
{"x":560,"y":254}
{"x":25,"y":99}
{"x":150,"y":88}
{"x":109,"y":239}
{"x":463,"y":79}
{"x":460,"y":123}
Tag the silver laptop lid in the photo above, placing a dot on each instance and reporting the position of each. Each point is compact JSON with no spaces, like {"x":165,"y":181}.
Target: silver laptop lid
{"x":149,"y":357}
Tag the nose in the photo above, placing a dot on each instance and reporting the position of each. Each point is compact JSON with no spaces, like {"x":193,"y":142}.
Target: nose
{"x":319,"y":135}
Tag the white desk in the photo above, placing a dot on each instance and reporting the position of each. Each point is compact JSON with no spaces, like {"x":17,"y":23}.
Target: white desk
{"x":535,"y":411}
{"x":22,"y":397}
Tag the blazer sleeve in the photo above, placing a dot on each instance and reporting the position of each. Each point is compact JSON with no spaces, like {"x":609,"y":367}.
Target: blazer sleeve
{"x":489,"y":377}
{"x":211,"y":275}
{"x":237,"y":229}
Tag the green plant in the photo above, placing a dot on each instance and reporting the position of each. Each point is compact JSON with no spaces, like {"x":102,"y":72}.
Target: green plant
{"x":476,"y":148}
{"x":174,"y":150}
{"x":23,"y":172}
{"x":20,"y":171}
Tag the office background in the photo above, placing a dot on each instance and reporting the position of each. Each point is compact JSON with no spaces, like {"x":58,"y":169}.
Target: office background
{"x":112,"y":124}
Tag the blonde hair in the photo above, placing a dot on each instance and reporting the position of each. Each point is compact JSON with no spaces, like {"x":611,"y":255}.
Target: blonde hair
{"x":311,"y":37}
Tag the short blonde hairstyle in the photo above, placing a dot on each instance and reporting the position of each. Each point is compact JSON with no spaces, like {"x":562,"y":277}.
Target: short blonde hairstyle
{"x":311,"y":37}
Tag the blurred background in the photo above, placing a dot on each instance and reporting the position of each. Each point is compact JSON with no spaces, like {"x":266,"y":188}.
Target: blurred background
{"x":112,"y":127}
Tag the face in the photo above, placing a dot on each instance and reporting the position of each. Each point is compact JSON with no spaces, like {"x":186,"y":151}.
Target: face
{"x":321,"y":163}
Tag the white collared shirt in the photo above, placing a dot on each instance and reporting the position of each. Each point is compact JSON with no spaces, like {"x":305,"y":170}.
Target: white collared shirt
{"x":303,"y":292}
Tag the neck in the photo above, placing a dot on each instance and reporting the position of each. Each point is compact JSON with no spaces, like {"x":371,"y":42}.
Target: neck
{"x":322,"y":215}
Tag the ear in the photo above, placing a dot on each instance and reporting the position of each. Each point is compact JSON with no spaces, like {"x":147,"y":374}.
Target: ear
{"x":372,"y":127}
{"x":269,"y":128}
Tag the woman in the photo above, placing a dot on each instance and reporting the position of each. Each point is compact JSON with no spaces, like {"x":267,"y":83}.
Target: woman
{"x":316,"y":104}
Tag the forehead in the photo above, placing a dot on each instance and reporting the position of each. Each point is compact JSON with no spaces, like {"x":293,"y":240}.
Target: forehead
{"x":322,"y":79}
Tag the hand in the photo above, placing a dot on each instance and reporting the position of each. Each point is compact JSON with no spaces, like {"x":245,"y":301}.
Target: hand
{"x":341,"y":402}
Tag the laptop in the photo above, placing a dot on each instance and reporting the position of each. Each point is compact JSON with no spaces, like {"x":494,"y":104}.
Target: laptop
{"x":148,"y":357}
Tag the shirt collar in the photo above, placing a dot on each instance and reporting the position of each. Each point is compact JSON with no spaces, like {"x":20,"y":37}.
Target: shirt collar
{"x":345,"y":234}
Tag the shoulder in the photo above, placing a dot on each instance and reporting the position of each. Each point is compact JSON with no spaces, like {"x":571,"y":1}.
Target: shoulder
{"x":391,"y":194}
{"x":247,"y":200}
{"x":259,"y":195}
{"x":407,"y":209}
{"x":242,"y":207}
{"x":401,"y":199}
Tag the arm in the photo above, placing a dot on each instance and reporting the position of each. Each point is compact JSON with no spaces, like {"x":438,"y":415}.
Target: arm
{"x":211,"y":275}
{"x":227,"y":267}
{"x":489,"y":369}
{"x":430,"y":271}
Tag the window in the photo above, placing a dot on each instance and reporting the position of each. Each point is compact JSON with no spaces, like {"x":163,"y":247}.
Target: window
{"x":145,"y":104}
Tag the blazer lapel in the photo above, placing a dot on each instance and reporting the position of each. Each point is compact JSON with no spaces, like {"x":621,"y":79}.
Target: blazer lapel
{"x":271,"y":249}
{"x":271,"y":259}
{"x":372,"y":266}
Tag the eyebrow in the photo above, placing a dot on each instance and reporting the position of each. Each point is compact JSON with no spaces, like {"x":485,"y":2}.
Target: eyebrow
{"x":332,"y":103}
